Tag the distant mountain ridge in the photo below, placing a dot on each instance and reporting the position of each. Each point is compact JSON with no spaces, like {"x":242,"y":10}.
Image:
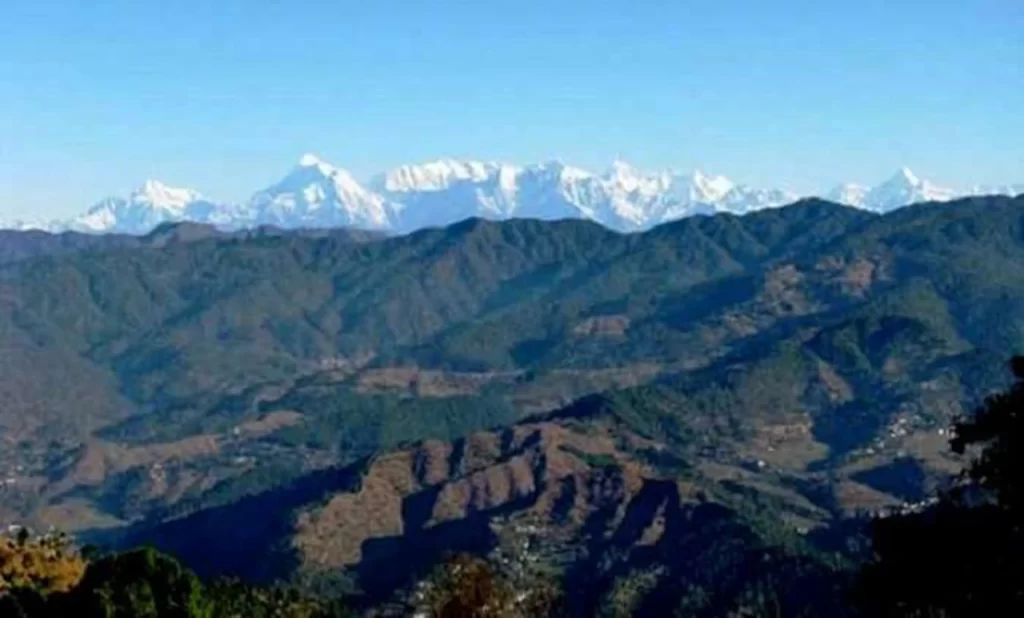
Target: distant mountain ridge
{"x":18,"y":245}
{"x":317,"y":194}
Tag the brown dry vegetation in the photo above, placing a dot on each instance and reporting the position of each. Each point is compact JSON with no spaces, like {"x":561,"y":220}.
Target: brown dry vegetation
{"x":46,"y":564}
{"x":546,"y":466}
{"x":428,"y":383}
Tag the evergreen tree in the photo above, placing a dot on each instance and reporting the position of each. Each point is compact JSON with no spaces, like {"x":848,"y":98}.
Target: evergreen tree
{"x":963,"y":557}
{"x":142,"y":583}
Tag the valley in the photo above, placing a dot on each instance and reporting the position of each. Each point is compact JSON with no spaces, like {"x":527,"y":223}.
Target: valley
{"x":357,"y":399}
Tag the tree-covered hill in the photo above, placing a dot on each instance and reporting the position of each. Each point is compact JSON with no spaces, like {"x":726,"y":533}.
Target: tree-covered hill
{"x":814,"y":349}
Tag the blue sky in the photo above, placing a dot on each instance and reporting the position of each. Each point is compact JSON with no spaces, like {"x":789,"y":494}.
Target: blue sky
{"x":224,"y":96}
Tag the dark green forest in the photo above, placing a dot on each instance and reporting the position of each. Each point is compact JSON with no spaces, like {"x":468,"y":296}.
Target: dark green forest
{"x":760,"y":415}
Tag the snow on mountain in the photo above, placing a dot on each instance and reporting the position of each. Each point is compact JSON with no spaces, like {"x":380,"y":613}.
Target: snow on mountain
{"x":627,"y":198}
{"x":903,"y":188}
{"x":703,"y":189}
{"x":148,"y":206}
{"x":445,"y":191}
{"x":22,"y":225}
{"x":435,"y":176}
{"x":315,"y":193}
{"x":554,"y":190}
{"x":1011,"y":189}
{"x":624,"y":197}
{"x":850,"y":193}
{"x":743,"y":199}
{"x":698,"y":193}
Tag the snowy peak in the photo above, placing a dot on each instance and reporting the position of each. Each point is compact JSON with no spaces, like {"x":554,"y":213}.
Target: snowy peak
{"x":315,"y":193}
{"x":158,"y":195}
{"x":1007,"y":189}
{"x":557,"y":171}
{"x":711,"y":187}
{"x":311,"y":168}
{"x":316,"y":180}
{"x":438,"y":175}
{"x":849,"y":193}
{"x":310,"y":165}
{"x":704,"y":189}
{"x":902,"y":188}
{"x":742,"y":199}
{"x":311,"y":160}
{"x":146,"y":207}
{"x":623,"y":175}
{"x":24,"y":226}
{"x":905,"y":177}
{"x":624,"y":178}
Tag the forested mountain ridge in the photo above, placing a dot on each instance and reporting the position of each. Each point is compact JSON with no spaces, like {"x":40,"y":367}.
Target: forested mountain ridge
{"x":579,"y":493}
{"x":814,"y":353}
{"x":18,"y":245}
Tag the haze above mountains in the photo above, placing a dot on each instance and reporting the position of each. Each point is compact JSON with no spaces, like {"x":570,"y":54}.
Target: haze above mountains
{"x":315,"y":194}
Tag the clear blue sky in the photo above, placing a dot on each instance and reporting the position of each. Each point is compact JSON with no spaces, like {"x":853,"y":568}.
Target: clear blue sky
{"x":225,"y":95}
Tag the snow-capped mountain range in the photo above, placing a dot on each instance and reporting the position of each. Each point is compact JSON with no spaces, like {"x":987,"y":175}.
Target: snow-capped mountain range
{"x":315,"y":193}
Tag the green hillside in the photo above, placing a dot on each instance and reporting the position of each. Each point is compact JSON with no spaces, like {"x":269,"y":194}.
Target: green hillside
{"x":809,"y":357}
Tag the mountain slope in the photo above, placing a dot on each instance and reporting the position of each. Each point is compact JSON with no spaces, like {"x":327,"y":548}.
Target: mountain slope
{"x":583,"y":494}
{"x":18,"y":245}
{"x":900,"y":189}
{"x":22,"y":245}
{"x":317,"y":194}
{"x":148,"y":206}
{"x":172,"y":349}
{"x":904,"y":188}
{"x":803,"y":361}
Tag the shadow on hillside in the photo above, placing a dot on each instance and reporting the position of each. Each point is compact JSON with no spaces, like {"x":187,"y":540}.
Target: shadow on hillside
{"x":248,"y":538}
